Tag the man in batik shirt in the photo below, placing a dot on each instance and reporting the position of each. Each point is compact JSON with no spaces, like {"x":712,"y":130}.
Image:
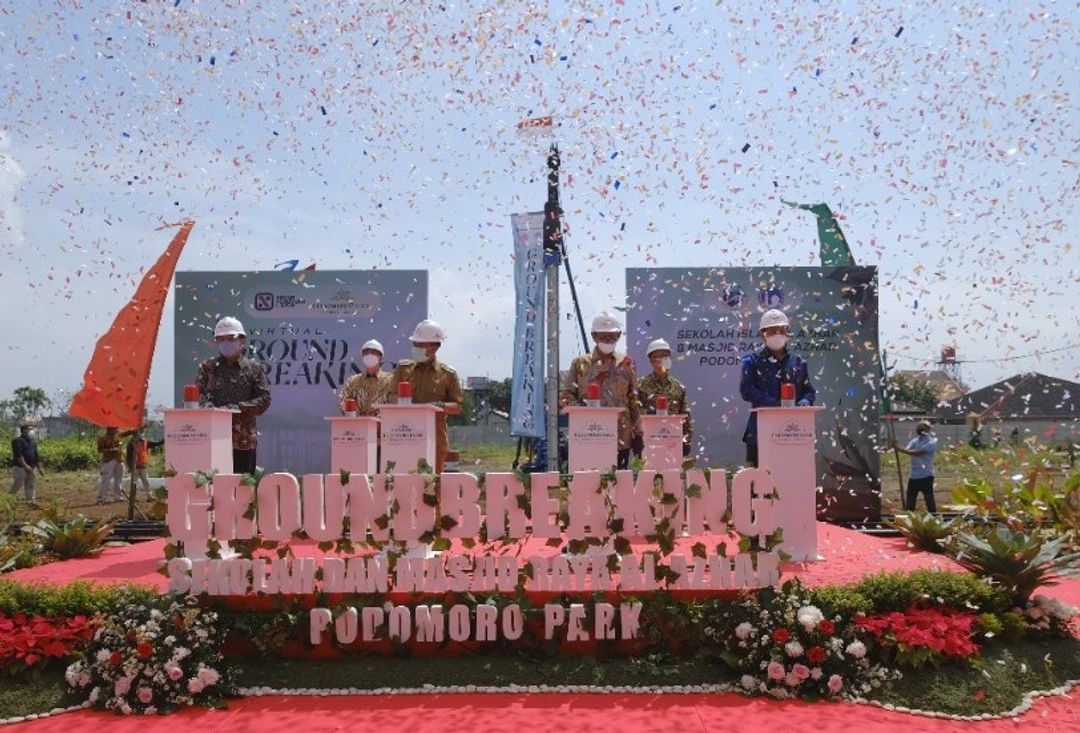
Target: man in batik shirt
{"x":235,"y":382}
{"x":660,"y":382}
{"x":373,"y":386}
{"x":616,"y":375}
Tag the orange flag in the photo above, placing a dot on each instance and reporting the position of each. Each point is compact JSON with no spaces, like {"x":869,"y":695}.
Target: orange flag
{"x":115,"y":383}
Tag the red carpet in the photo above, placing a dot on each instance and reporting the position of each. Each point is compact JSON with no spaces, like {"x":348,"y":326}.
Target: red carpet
{"x":848,"y":556}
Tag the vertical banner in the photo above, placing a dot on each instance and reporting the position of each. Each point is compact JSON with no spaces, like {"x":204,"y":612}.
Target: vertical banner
{"x":527,"y":391}
{"x":305,"y":329}
{"x":710,"y":316}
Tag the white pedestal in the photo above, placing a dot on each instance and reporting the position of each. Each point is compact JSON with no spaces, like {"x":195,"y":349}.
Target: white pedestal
{"x":593,"y":438}
{"x":354,"y":444}
{"x":199,"y":439}
{"x":663,"y":439}
{"x":786,"y":450}
{"x":408,"y":435}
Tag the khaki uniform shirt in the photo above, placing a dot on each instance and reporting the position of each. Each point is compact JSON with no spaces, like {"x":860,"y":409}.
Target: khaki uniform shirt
{"x":109,"y":447}
{"x":242,"y":385}
{"x":617,"y":377}
{"x":432,"y":381}
{"x":367,"y":390}
{"x":653,"y":385}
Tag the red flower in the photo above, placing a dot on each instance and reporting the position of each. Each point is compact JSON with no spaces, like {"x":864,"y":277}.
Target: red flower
{"x":827,"y":627}
{"x":144,"y":650}
{"x":781,"y":636}
{"x":816,"y":654}
{"x":115,"y":658}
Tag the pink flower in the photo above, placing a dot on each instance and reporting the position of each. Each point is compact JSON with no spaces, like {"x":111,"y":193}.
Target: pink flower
{"x":145,"y":695}
{"x":776,"y":671}
{"x":122,"y":686}
{"x":174,"y":672}
{"x":836,"y":683}
{"x":801,"y":671}
{"x":791,"y":679}
{"x":195,"y":686}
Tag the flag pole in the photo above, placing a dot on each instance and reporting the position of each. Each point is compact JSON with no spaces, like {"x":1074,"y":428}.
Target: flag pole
{"x":552,"y":258}
{"x":889,"y":418}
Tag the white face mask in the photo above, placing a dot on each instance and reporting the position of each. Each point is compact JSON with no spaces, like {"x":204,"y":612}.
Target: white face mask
{"x":229,"y":349}
{"x":31,"y":433}
{"x":419,"y":354}
{"x":605,"y":348}
{"x":776,"y":342}
{"x":371,"y":360}
{"x":665,"y":363}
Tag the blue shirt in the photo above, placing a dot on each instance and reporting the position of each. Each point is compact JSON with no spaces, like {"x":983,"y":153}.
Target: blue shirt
{"x":762,"y":375}
{"x":923,"y":466}
{"x":27,"y":449}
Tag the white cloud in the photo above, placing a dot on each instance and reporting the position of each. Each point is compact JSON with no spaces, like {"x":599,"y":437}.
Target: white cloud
{"x":11,"y":177}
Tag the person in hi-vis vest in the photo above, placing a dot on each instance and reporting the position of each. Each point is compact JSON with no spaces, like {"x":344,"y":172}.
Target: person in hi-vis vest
{"x":137,"y":457}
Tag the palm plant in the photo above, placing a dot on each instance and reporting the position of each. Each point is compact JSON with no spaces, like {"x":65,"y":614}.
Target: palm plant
{"x":1016,"y":561}
{"x":925,"y":531}
{"x":78,"y":538}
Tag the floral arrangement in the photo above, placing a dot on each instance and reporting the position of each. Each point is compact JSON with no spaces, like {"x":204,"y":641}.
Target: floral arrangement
{"x":786,"y":647}
{"x":921,"y":636}
{"x":1043,"y":615}
{"x":153,"y":658}
{"x":29,"y":642}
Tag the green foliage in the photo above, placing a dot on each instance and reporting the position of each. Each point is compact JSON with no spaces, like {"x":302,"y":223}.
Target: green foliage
{"x":897,"y":591}
{"x":72,"y":599}
{"x":925,"y":531}
{"x":25,"y":402}
{"x":77,"y":538}
{"x":1015,"y":561}
{"x":912,"y":392}
{"x":840,"y":600}
{"x":70,"y":453}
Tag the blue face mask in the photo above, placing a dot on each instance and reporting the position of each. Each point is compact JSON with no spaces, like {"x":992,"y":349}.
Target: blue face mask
{"x":229,"y":349}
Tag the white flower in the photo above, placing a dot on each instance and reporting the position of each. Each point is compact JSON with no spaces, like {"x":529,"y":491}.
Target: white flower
{"x":748,"y":681}
{"x":809,"y":617}
{"x":793,"y":649}
{"x":208,"y":676}
{"x":815,"y":673}
{"x":103,"y":655}
{"x":195,"y":686}
{"x":150,"y":710}
{"x":857,"y":649}
{"x":744,"y":630}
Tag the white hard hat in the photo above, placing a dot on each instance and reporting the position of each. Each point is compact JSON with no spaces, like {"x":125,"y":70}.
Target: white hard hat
{"x":772,"y":318}
{"x":428,"y":332}
{"x":373,"y":345}
{"x":229,"y":326}
{"x":658,"y":345}
{"x":606,"y":323}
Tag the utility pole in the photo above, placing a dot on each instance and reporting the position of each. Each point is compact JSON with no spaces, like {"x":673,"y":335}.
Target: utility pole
{"x":552,"y":259}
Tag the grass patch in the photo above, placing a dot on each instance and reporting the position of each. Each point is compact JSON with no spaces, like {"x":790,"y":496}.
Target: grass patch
{"x":25,"y":696}
{"x":1004,"y":675}
{"x":370,"y":673}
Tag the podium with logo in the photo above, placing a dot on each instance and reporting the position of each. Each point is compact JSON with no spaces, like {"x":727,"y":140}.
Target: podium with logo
{"x":786,"y":438}
{"x":408,"y":435}
{"x":662,"y":436}
{"x":354,"y":444}
{"x":199,"y":439}
{"x":593,"y":437}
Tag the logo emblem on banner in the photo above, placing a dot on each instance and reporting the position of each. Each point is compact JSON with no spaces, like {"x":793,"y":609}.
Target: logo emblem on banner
{"x":791,"y":434}
{"x":264,"y":301}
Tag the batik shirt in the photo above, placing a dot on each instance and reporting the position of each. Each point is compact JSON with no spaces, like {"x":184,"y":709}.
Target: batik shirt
{"x":367,"y":390}
{"x":109,"y":447}
{"x":653,"y":385}
{"x":240,"y":385}
{"x":762,"y":375}
{"x":617,"y":378}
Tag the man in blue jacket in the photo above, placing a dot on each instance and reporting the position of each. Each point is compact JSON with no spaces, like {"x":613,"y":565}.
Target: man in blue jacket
{"x":764,"y":371}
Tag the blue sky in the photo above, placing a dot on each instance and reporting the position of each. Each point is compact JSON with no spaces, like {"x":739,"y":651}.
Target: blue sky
{"x":383,"y":137}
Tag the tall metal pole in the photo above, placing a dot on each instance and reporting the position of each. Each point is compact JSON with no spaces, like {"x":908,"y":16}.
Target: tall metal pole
{"x":552,"y":257}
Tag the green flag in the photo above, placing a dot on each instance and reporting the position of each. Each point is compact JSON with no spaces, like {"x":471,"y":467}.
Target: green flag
{"x":834,"y":248}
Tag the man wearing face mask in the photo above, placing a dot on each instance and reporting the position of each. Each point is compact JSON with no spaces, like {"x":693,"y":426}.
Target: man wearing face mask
{"x":660,"y":382}
{"x":233,"y":381}
{"x":433,"y":382}
{"x":370,"y":388}
{"x":764,"y":371}
{"x":25,"y":462}
{"x":617,"y":377}
{"x":921,"y":448}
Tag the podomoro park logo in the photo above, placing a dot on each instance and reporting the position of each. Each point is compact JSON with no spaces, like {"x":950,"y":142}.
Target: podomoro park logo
{"x":666,"y":433}
{"x":593,"y":432}
{"x":187,"y":433}
{"x":792,"y":434}
{"x":403,"y":433}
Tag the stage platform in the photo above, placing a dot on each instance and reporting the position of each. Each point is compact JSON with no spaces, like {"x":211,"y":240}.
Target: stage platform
{"x":848,"y":555}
